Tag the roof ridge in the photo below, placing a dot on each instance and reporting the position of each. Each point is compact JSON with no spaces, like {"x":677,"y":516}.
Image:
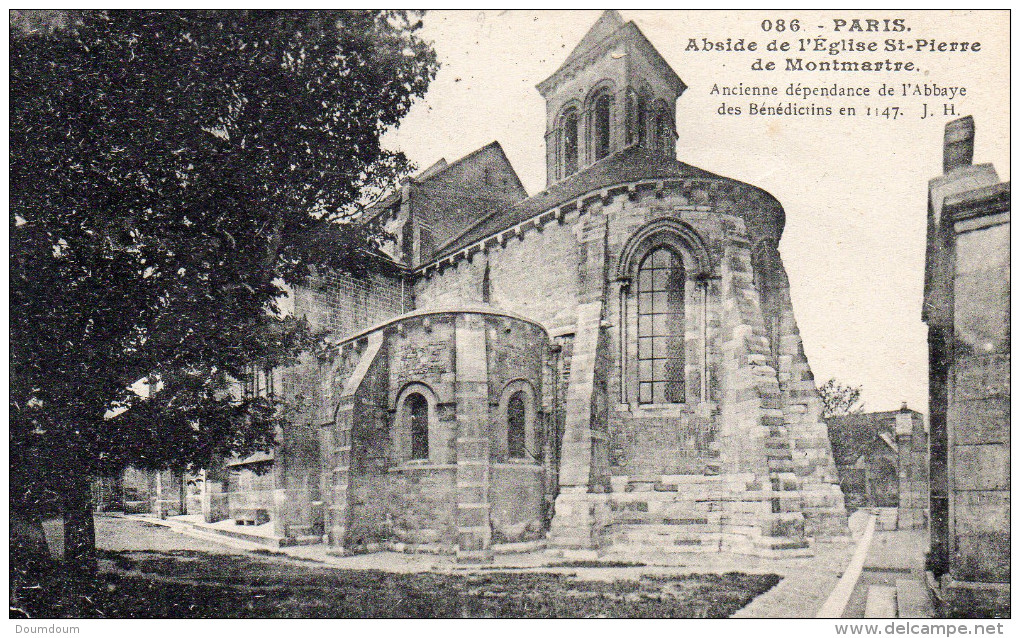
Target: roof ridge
{"x":462,"y":160}
{"x":628,"y":157}
{"x":608,"y":24}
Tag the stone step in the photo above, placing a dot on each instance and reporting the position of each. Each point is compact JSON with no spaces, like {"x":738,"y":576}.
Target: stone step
{"x":652,"y":527}
{"x":912,"y":599}
{"x":675,"y":508}
{"x":646,"y":553}
{"x":665,"y":540}
{"x":881,"y":602}
{"x":888,"y":519}
{"x":683,"y":496}
{"x":657,"y":518}
{"x":661,"y":528}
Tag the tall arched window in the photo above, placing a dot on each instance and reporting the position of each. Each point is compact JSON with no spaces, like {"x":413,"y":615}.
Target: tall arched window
{"x":569,"y":146}
{"x":660,"y":329}
{"x":642,"y":122}
{"x":418,"y":412}
{"x":516,"y":424}
{"x":661,"y":131}
{"x":486,"y":285}
{"x":601,"y":118}
{"x":632,"y":108}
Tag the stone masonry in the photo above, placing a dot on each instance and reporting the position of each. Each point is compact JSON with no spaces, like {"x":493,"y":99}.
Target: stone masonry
{"x":497,"y":387}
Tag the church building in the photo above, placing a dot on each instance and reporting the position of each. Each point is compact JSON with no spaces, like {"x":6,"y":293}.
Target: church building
{"x":608,"y":367}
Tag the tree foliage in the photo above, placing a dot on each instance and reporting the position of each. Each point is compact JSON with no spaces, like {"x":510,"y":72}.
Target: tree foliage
{"x":839,"y":399}
{"x":167,"y":170}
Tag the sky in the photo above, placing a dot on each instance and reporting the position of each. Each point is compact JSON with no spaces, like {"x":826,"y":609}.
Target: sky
{"x":854,"y":188}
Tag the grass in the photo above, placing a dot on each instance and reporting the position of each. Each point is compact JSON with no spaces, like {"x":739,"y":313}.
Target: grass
{"x":189,"y":584}
{"x":598,"y":563}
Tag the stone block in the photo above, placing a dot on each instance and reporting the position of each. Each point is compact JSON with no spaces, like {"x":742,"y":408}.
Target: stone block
{"x":981,"y":467}
{"x":982,"y":512}
{"x":982,"y":557}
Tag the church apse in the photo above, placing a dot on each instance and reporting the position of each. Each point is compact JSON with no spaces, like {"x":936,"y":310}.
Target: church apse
{"x":439,"y":441}
{"x":608,"y":367}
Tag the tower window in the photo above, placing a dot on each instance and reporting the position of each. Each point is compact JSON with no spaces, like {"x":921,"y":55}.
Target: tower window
{"x":486,"y":285}
{"x":569,"y":149}
{"x":662,"y":131}
{"x":660,"y":329}
{"x":632,"y":108}
{"x":642,"y":122}
{"x":516,"y":423}
{"x":418,"y":413}
{"x":600,"y":125}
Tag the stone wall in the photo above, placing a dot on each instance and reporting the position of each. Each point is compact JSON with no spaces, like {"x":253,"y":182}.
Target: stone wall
{"x":978,"y":413}
{"x":344,"y":304}
{"x":966,"y":307}
{"x":533,"y":275}
{"x":466,"y":495}
{"x":516,"y":492}
{"x":751,"y":409}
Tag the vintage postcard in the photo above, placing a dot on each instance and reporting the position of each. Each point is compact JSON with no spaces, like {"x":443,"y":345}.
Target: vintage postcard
{"x":345,"y":314}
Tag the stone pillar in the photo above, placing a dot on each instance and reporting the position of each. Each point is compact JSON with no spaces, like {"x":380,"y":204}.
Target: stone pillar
{"x":338,"y":459}
{"x":581,"y":508}
{"x":472,"y":396}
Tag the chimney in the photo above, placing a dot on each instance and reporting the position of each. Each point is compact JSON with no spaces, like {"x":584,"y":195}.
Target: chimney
{"x":958,"y":146}
{"x":904,"y":421}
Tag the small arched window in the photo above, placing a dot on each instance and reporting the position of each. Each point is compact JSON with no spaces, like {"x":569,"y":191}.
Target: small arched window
{"x":660,"y":329}
{"x":601,"y":119}
{"x":569,"y":146}
{"x":486,"y":285}
{"x":632,"y":107}
{"x":418,"y":413}
{"x":516,"y":433}
{"x":642,"y":122}
{"x":662,"y":132}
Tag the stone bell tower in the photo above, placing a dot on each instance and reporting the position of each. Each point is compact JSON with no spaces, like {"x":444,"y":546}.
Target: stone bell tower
{"x":613,"y":91}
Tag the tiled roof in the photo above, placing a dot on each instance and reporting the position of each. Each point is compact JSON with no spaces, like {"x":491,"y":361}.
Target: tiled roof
{"x":851,"y":435}
{"x":632,"y":164}
{"x":608,"y":23}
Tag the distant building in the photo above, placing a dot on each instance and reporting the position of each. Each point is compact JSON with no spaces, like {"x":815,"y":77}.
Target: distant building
{"x":966,"y":307}
{"x":882,"y":460}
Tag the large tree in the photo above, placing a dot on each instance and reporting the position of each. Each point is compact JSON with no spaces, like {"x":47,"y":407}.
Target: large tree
{"x":167,"y":169}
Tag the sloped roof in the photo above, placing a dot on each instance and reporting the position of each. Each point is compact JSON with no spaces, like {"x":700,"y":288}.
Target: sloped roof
{"x":608,"y":24}
{"x":610,"y":29}
{"x":632,"y":164}
{"x":851,"y":434}
{"x":450,"y":200}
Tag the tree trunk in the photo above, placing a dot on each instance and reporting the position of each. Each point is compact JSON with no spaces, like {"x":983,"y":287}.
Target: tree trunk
{"x":28,"y":540}
{"x":79,"y":526}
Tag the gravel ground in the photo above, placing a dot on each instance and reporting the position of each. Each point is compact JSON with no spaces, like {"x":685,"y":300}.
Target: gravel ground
{"x":152,"y":571}
{"x":127,"y":535}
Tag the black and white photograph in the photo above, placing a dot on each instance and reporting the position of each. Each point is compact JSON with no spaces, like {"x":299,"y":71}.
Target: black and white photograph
{"x":509,"y":314}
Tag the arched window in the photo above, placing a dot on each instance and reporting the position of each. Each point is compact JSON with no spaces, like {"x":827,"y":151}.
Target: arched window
{"x":601,"y":117}
{"x":417,"y":409}
{"x":486,"y":286}
{"x":632,"y":109}
{"x":516,"y":433}
{"x":660,"y":327}
{"x":569,"y":144}
{"x":642,"y":123}
{"x":662,"y":131}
